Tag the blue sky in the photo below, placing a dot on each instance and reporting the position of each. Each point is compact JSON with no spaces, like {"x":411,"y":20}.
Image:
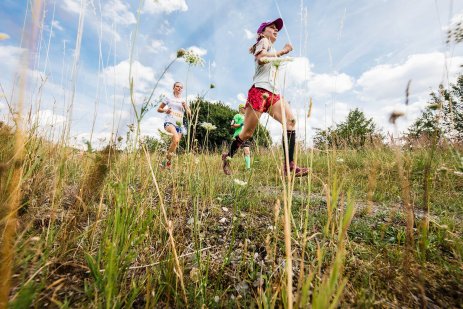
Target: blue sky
{"x":347,"y":53}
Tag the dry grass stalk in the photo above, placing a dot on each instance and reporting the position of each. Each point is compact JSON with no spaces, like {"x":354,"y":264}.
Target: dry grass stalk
{"x":179,"y":271}
{"x":407,"y":204}
{"x":12,"y":201}
{"x":372,"y":179}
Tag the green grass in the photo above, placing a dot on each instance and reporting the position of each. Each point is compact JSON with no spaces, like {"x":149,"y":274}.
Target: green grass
{"x":92,"y":232}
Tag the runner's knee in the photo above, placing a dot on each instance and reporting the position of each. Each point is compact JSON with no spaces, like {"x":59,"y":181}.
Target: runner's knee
{"x":291,"y":123}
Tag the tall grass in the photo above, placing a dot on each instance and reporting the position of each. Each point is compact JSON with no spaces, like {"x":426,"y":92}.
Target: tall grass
{"x":110,"y":229}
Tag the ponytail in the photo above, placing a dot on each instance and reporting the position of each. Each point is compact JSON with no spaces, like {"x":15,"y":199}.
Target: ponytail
{"x":252,"y":49}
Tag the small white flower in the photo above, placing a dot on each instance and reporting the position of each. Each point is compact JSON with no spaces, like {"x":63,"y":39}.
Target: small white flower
{"x":240,"y":182}
{"x":340,"y":160}
{"x":223,"y":220}
{"x":208,"y":126}
{"x":276,"y":61}
{"x":192,"y":58}
{"x":216,"y":299}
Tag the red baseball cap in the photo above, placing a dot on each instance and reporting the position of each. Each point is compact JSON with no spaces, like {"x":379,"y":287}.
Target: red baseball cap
{"x":277,"y":22}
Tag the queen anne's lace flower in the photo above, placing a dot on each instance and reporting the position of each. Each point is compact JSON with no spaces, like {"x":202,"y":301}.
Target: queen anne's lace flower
{"x":192,"y":58}
{"x":208,"y":126}
{"x":276,"y":61}
{"x":240,"y":182}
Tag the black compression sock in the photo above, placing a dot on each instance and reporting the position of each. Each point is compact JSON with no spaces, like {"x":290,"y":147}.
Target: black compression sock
{"x":291,"y":134}
{"x":235,"y":145}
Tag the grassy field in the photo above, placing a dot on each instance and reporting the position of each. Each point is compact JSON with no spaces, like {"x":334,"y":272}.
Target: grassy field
{"x":111,"y":229}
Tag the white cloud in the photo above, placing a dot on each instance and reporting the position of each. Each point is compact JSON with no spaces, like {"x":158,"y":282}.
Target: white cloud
{"x":151,"y":126}
{"x":297,"y":71}
{"x":241,"y":97}
{"x":325,"y":84}
{"x":8,"y":52}
{"x":165,"y":28}
{"x":46,"y":119}
{"x":157,"y":46}
{"x":301,"y":79}
{"x":197,"y":50}
{"x":118,"y":14}
{"x":425,"y":71}
{"x":249,"y":34}
{"x":117,"y":11}
{"x":165,"y":6}
{"x":143,"y":77}
{"x":74,"y":6}
{"x":99,"y":139}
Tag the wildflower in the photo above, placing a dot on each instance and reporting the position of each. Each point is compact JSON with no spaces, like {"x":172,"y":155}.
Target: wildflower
{"x":395,"y":115}
{"x":240,"y":182}
{"x":216,"y":299}
{"x":4,"y":36}
{"x":340,"y":160}
{"x":276,"y":61}
{"x":223,"y":220}
{"x":208,"y":126}
{"x":192,"y":58}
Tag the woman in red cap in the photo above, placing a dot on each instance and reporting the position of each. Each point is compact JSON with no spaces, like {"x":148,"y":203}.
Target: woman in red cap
{"x":264,"y":97}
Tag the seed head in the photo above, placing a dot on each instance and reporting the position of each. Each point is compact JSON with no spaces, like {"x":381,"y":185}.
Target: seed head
{"x":180,"y":53}
{"x":395,"y":115}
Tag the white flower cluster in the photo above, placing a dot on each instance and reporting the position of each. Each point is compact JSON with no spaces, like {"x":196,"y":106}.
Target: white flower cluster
{"x":240,"y":182}
{"x":191,"y":57}
{"x":276,"y":61}
{"x":208,"y":126}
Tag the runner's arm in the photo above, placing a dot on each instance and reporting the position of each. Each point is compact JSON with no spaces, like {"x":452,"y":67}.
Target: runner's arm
{"x":161,"y":108}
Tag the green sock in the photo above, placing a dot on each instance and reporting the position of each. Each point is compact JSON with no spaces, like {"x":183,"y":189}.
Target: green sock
{"x":247,"y":159}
